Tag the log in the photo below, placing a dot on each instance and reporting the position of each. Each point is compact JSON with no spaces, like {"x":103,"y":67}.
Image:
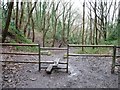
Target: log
{"x":52,"y":66}
{"x":49,"y":69}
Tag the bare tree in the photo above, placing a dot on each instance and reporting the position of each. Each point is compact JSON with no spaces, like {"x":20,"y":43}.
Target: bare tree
{"x":21,"y":16}
{"x":91,"y":32}
{"x":44,"y":21}
{"x":69,"y":22}
{"x":29,"y":4}
{"x":83,"y":32}
{"x":17,"y":9}
{"x":95,"y":23}
{"x":118,"y":25}
{"x":5,"y":31}
{"x":33,"y":32}
{"x":65,"y":14}
{"x":56,"y":17}
{"x":29,"y":16}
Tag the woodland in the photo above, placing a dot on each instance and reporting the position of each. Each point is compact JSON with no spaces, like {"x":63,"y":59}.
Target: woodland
{"x":97,"y":22}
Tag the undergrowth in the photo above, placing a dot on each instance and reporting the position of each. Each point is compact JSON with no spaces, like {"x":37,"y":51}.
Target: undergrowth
{"x":20,"y":38}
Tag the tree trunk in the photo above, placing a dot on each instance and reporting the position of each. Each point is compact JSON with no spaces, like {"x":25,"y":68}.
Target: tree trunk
{"x":21,"y":17}
{"x":102,"y":17}
{"x":95,"y":27}
{"x":114,"y":12}
{"x":83,"y":25}
{"x":29,"y":16}
{"x":54,"y":33}
{"x":5,"y":31}
{"x":29,"y":4}
{"x":33,"y":35}
{"x":17,"y":8}
{"x":63,"y":28}
{"x":44,"y":21}
{"x":69,"y":21}
{"x":91,"y":27}
{"x":118,"y":25}
{"x":43,"y":31}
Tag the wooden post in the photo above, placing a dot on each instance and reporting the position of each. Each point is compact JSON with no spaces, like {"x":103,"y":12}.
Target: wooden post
{"x":113,"y":60}
{"x":39,"y":57}
{"x":67,"y":57}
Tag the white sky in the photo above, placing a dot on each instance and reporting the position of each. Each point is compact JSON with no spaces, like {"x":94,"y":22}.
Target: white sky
{"x":77,"y":3}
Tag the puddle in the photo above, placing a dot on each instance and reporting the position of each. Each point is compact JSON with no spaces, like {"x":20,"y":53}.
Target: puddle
{"x":72,"y":72}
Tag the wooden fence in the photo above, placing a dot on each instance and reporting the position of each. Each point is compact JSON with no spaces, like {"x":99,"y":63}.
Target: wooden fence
{"x":19,"y":53}
{"x":114,"y":56}
{"x":39,"y":54}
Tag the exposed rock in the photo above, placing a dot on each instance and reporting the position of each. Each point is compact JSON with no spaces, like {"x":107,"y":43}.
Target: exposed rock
{"x":33,"y":79}
{"x":9,"y":80}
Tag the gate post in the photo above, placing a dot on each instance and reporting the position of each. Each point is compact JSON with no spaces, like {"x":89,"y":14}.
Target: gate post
{"x":67,"y":57}
{"x":39,"y":57}
{"x":113,"y":60}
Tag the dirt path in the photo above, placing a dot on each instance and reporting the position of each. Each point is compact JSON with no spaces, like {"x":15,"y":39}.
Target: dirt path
{"x":84,"y":72}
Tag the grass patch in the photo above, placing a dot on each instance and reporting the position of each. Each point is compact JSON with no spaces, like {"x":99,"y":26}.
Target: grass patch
{"x":109,"y":42}
{"x":89,"y":50}
{"x":26,"y":49}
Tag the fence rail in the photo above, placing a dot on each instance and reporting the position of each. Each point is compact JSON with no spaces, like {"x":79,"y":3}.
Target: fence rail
{"x":17,"y":44}
{"x":78,"y":45}
{"x":18,"y":53}
{"x":52,"y":48}
{"x":91,"y":55}
{"x":117,"y":46}
{"x":35,"y":62}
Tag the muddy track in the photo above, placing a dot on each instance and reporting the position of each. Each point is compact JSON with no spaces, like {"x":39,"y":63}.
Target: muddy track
{"x":84,"y":72}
